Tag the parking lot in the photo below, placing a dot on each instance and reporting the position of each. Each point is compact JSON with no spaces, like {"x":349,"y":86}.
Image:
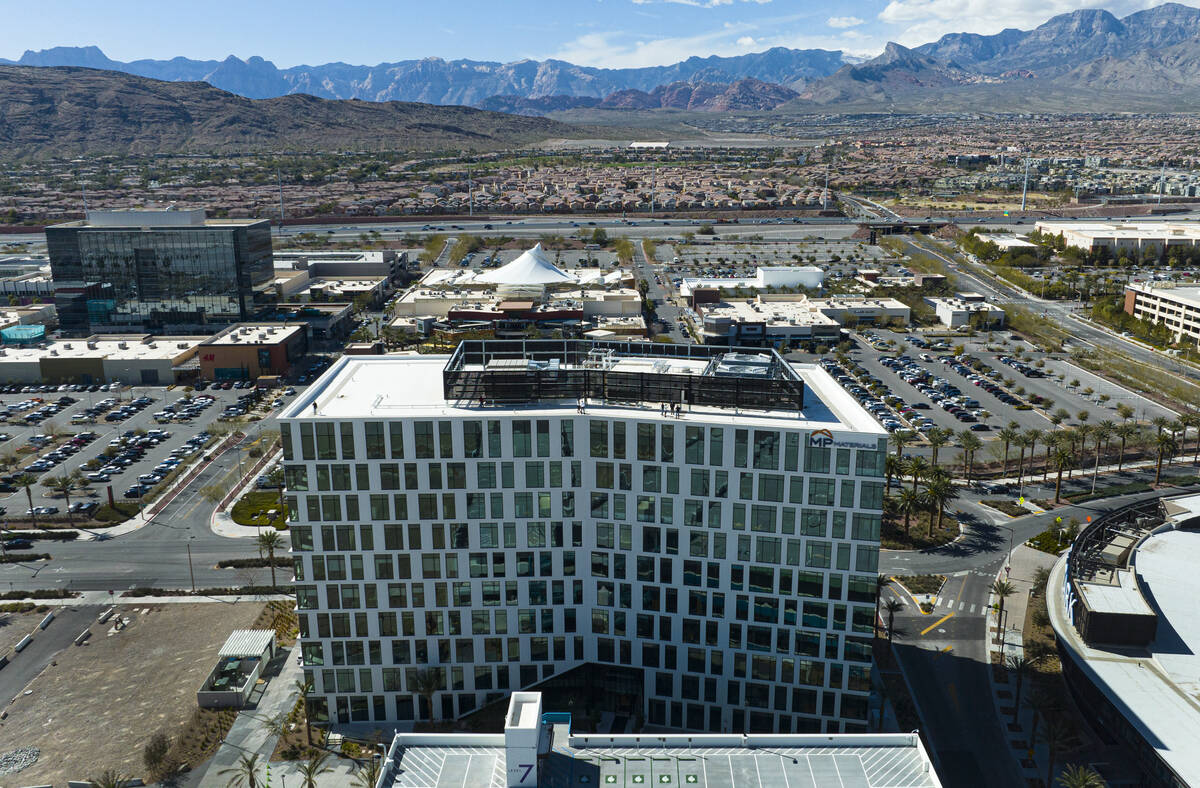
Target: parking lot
{"x":919,"y":384}
{"x":145,"y":432}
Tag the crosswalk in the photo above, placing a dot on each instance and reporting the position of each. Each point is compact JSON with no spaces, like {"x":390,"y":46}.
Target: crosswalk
{"x":950,"y":604}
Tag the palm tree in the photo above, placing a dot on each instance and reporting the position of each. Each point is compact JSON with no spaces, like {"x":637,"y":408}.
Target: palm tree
{"x":64,"y":485}
{"x":917,"y":467}
{"x":970,"y":444}
{"x":1125,"y":412}
{"x":891,"y":466}
{"x":244,"y":774}
{"x":1076,"y":776}
{"x":1124,"y":431}
{"x":1054,"y":734}
{"x":1033,"y":436}
{"x":1192,"y":419}
{"x":305,"y":688}
{"x":27,"y":480}
{"x":899,"y":439}
{"x":367,"y":773}
{"x":939,"y":492}
{"x":1080,"y":434}
{"x":426,"y":683}
{"x":1022,"y":443}
{"x":1007,"y":436}
{"x":892,"y":607}
{"x":109,"y":778}
{"x":1062,"y":461}
{"x":1020,"y":666}
{"x":1002,"y":589}
{"x":937,"y":438}
{"x":1101,"y":433}
{"x":269,"y":542}
{"x":910,"y":502}
{"x":1160,"y":422}
{"x":276,"y":725}
{"x":313,"y":768}
{"x":1164,"y":444}
{"x":1042,"y":704}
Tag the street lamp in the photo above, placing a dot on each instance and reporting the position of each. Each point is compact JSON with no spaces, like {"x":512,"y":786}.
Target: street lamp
{"x":191,"y":570}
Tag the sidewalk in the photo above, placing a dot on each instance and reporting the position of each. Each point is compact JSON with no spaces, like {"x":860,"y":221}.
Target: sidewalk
{"x":1023,"y":565}
{"x":248,"y":734}
{"x":222,"y":523}
{"x":104,"y":598}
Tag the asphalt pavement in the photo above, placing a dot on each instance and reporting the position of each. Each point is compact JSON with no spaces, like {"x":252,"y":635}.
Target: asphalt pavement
{"x":25,"y":665}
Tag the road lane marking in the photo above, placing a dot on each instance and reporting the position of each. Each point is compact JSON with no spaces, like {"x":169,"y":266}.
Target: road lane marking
{"x":972,"y":607}
{"x":927,"y":629}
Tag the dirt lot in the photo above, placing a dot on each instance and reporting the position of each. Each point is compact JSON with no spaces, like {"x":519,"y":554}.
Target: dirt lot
{"x":14,"y":626}
{"x":97,"y":705}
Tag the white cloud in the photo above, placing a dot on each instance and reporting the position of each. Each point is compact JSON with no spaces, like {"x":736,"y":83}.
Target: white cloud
{"x":700,"y":3}
{"x":745,"y":41}
{"x":919,"y":21}
{"x":843,"y":21}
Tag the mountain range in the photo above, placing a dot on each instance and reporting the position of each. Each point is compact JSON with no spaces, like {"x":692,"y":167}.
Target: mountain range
{"x":70,"y":111}
{"x":436,"y":81}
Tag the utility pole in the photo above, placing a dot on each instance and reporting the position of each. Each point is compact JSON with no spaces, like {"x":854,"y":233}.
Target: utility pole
{"x":470,"y":193}
{"x":1025,"y":188}
{"x":1162,"y":182}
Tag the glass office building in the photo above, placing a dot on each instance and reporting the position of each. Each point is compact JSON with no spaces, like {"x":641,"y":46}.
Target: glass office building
{"x":161,"y":271}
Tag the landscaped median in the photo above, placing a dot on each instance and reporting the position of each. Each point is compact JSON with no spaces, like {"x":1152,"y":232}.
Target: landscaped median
{"x":921,"y":586}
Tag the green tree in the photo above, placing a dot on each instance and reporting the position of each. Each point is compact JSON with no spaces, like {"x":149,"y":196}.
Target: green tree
{"x":244,"y":774}
{"x":1164,"y":444}
{"x":269,"y":541}
{"x":367,"y":774}
{"x":1006,"y":437}
{"x":64,"y":485}
{"x":304,"y":688}
{"x":599,"y":236}
{"x":910,"y":501}
{"x":970,"y":444}
{"x":916,"y":467}
{"x":427,"y":682}
{"x":27,"y":480}
{"x":313,"y":768}
{"x":1124,"y":431}
{"x":899,"y":439}
{"x":1055,"y":734}
{"x":1076,"y":776}
{"x":892,"y":607}
{"x":937,"y":438}
{"x":892,"y":467}
{"x":1002,"y":589}
{"x":939,"y":492}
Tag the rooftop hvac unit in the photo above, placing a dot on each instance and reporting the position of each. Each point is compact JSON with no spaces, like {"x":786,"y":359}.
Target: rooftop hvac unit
{"x":123,"y":345}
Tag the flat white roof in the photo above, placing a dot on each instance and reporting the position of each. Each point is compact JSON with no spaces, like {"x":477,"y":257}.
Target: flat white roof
{"x":256,"y":334}
{"x":164,"y":348}
{"x":1187,"y":295}
{"x":411,"y":386}
{"x":1123,"y":597}
{"x":1156,"y":689}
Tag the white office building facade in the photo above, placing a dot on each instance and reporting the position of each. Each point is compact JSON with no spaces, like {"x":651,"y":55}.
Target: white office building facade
{"x":729,"y":555}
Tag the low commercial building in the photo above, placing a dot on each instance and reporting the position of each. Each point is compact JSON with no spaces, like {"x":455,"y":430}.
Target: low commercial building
{"x":963,"y":310}
{"x":327,"y":324}
{"x":772,"y":319}
{"x":1122,"y":606}
{"x":1007,"y":241}
{"x":1138,"y":238}
{"x":1178,"y":308}
{"x":137,"y":360}
{"x":806,"y":276}
{"x":247,"y":351}
{"x":347,"y":264}
{"x":539,"y":750}
{"x":530,"y":290}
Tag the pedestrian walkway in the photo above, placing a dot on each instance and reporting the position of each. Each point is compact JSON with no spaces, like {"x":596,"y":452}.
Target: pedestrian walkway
{"x":1005,"y":641}
{"x":249,"y":734}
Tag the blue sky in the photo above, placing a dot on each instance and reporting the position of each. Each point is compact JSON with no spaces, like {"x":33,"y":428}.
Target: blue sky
{"x":615,"y":33}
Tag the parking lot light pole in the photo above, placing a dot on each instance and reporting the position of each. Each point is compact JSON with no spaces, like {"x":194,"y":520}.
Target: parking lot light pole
{"x":1008,"y":557}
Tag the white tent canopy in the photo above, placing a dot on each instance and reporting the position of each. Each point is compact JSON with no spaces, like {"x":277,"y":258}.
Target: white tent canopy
{"x":533,"y":267}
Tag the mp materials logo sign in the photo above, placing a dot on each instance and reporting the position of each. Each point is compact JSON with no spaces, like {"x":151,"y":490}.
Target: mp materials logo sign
{"x":821,"y":439}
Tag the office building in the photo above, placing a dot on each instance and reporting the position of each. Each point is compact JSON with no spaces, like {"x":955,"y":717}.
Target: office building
{"x":167,"y":271}
{"x":1122,"y":606}
{"x":128,"y":358}
{"x":540,"y":750}
{"x":1178,"y":308}
{"x":1134,"y":239}
{"x":778,"y":318}
{"x":966,"y":309}
{"x":691,"y":534}
{"x":778,"y":276}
